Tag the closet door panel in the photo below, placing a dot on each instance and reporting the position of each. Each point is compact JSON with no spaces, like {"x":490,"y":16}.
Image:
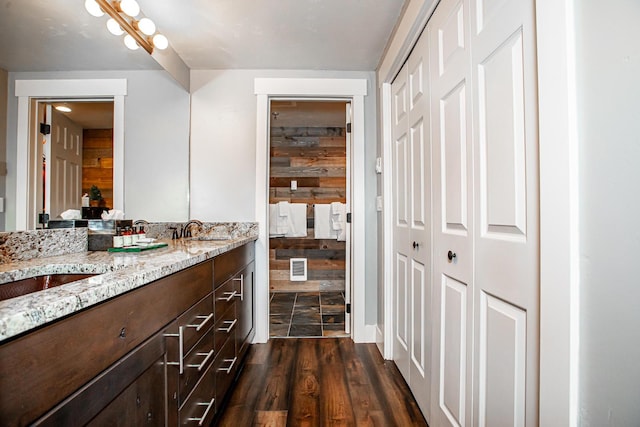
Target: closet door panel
{"x":507,"y":267}
{"x":453,"y":351}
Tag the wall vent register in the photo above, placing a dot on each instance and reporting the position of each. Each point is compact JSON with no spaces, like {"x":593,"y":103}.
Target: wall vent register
{"x":298,"y":269}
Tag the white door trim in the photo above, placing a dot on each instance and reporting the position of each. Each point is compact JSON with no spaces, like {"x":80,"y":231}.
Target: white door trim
{"x":559,"y":275}
{"x":66,"y":88}
{"x":559,"y":226}
{"x":355,"y":90}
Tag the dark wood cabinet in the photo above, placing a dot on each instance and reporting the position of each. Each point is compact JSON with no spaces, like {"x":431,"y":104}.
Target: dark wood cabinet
{"x":163,"y":354}
{"x":234,"y":289}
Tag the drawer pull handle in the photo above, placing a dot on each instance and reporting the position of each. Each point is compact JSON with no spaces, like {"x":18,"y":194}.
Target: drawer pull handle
{"x":231,"y":323}
{"x":228,"y":370}
{"x":180,"y":336}
{"x":204,"y":322}
{"x":241,"y":280}
{"x":204,"y":362}
{"x":206,"y":412}
{"x":229,"y":296}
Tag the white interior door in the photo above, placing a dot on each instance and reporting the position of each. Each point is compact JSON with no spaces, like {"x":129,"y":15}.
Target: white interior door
{"x":412,"y":225}
{"x":63,"y":185}
{"x":453,"y":213}
{"x":506,"y":292}
{"x":347,"y":264}
{"x":401,"y":223}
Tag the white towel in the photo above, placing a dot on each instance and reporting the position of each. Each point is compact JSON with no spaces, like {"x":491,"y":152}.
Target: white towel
{"x":283,"y":222}
{"x":278,"y":226}
{"x":338,"y":216}
{"x":283,"y":208}
{"x":297,"y":220}
{"x":322,"y":222}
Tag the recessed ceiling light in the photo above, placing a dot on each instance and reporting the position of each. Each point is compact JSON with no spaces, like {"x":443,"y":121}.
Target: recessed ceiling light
{"x":63,"y":108}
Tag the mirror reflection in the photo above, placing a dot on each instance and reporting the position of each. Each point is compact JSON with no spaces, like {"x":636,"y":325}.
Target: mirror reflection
{"x":73,"y":141}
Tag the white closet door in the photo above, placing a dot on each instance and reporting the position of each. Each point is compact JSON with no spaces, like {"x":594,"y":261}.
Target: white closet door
{"x":402,"y":249}
{"x":420,"y":224}
{"x":506,"y":210}
{"x":412,"y":225}
{"x":453,"y":261}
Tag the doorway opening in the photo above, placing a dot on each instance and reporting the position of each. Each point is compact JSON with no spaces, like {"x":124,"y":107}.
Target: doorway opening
{"x":72,"y":149}
{"x":308,"y":234}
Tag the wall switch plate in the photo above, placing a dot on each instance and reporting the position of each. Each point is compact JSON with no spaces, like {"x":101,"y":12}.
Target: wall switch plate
{"x":294,"y":185}
{"x":379,"y":203}
{"x":379,"y":165}
{"x":1,"y":204}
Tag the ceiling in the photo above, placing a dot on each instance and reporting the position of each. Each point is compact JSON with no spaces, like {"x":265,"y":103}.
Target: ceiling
{"x":89,"y":114}
{"x":308,"y":114}
{"x":59,"y":35}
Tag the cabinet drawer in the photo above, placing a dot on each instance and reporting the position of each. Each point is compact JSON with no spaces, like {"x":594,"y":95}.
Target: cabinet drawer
{"x":195,"y":322}
{"x":226,"y":366}
{"x":225,"y":297}
{"x":225,"y":328}
{"x":229,"y":263}
{"x":195,"y":364}
{"x":200,"y":406}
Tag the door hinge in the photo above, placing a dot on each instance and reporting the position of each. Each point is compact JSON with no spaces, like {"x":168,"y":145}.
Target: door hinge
{"x":45,"y":129}
{"x":348,"y":127}
{"x":349,"y":218}
{"x":348,"y":308}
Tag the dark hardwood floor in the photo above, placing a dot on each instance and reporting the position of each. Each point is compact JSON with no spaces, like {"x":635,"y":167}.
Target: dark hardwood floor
{"x":319,"y":382}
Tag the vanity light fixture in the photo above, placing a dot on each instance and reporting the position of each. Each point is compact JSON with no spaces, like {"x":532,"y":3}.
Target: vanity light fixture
{"x":124,"y":18}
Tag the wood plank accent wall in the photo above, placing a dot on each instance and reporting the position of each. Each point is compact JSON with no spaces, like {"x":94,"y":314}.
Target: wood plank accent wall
{"x":316,"y":157}
{"x":97,"y":162}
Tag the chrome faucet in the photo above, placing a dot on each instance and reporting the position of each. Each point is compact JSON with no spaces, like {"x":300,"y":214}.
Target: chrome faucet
{"x":186,"y":230}
{"x":140,"y":222}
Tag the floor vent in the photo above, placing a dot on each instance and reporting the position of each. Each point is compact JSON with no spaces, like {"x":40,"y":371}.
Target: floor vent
{"x":298,"y":269}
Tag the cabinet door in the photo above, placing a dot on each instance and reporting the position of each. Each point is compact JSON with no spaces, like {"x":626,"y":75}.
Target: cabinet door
{"x":140,"y":404}
{"x":246,"y":319}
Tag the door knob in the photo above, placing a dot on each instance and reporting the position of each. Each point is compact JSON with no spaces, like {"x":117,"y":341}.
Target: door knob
{"x":451,"y":255}
{"x":416,"y":245}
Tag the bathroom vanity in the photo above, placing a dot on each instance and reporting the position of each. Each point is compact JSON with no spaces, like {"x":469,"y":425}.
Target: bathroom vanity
{"x":155,"y":339}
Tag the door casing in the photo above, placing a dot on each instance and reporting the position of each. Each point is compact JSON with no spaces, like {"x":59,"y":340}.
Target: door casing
{"x":354,"y":91}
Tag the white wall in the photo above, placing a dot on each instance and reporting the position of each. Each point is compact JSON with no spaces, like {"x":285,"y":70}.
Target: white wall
{"x":223,"y":144}
{"x":156,"y":177}
{"x":608,"y":87}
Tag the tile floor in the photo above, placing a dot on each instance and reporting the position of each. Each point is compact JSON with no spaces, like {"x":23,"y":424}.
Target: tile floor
{"x":307,"y":314}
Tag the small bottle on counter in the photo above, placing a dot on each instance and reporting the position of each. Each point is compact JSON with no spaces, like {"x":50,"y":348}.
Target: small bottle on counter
{"x":141,"y":233}
{"x":134,"y":236}
{"x":118,"y":241}
{"x":126,"y":236}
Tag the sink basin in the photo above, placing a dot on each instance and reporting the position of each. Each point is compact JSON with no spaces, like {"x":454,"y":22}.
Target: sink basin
{"x":38,"y":283}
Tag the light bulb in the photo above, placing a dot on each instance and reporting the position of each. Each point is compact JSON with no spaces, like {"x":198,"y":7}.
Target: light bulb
{"x":160,"y":41}
{"x":93,"y":8}
{"x":130,"y":7}
{"x":63,"y":108}
{"x":130,"y":42}
{"x":147,"y":26}
{"x":114,"y":28}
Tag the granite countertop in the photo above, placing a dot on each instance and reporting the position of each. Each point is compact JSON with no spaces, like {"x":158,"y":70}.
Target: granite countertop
{"x":116,"y":273}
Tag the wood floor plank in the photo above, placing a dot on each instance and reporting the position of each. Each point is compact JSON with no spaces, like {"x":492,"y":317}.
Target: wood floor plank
{"x":397,"y":401}
{"x":277,"y":386}
{"x":335,"y":401}
{"x":305,"y":399}
{"x":366,"y":405}
{"x":270,"y":419}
